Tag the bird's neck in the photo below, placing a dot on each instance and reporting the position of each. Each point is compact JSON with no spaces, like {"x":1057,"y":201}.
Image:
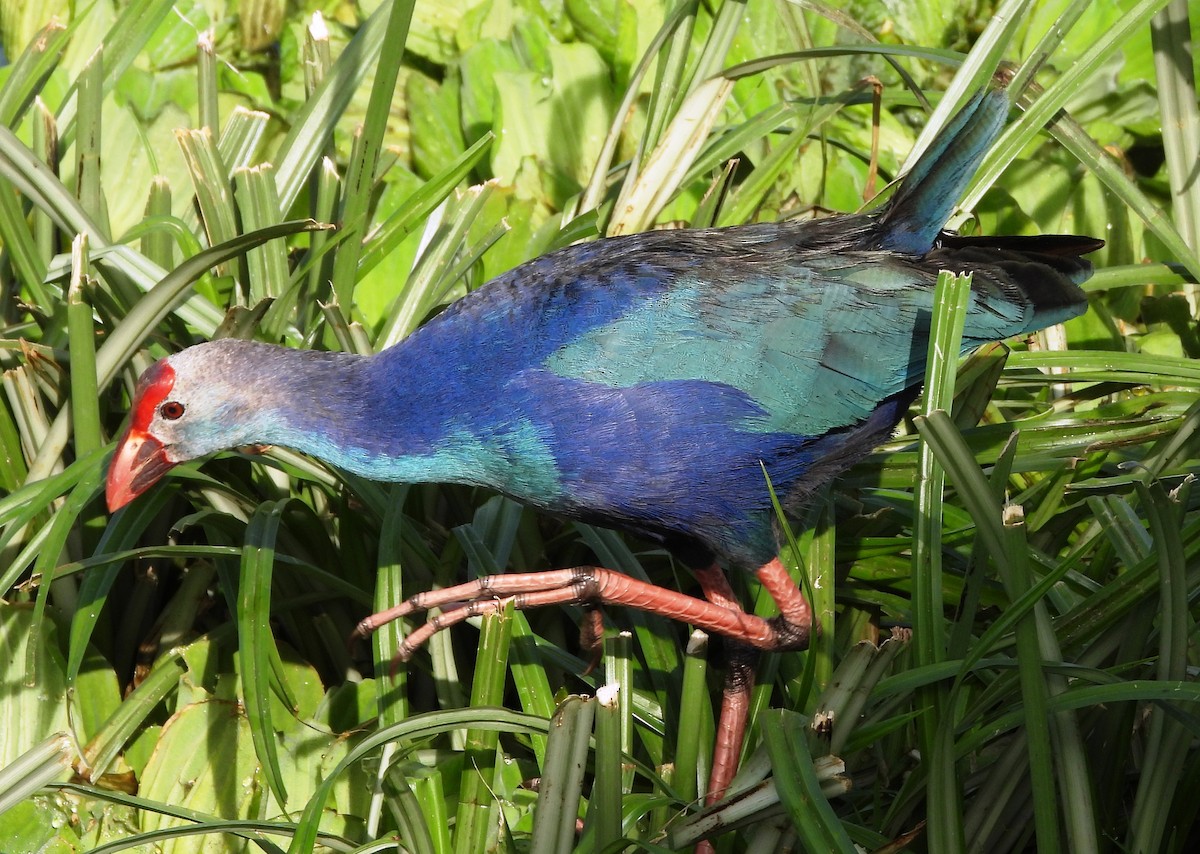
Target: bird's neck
{"x":409,"y":414}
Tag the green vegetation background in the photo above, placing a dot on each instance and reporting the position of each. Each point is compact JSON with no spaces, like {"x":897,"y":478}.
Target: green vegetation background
{"x":176,"y":675}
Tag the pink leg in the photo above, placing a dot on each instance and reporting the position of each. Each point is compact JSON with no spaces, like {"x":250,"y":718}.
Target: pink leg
{"x":739,"y":675}
{"x":735,"y":697}
{"x":731,"y":726}
{"x":797,"y":623}
{"x":591,"y":637}
{"x":595,"y":586}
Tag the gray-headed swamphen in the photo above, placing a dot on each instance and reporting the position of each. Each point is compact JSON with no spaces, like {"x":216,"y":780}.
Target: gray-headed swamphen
{"x":641,"y":383}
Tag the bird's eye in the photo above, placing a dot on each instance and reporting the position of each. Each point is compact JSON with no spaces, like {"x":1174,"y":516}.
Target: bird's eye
{"x":172,"y":410}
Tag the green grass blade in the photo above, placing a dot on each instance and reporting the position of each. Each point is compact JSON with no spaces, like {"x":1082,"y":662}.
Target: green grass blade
{"x":604,"y":806}
{"x":360,"y":184}
{"x":476,"y":804}
{"x":929,"y":624}
{"x":1033,"y":688}
{"x":87,"y":141}
{"x":242,"y":137}
{"x":799,"y":788}
{"x":207,"y":110}
{"x":562,"y":778}
{"x":267,"y":264}
{"x":258,"y":650}
{"x":618,"y":670}
{"x":22,"y":249}
{"x":214,"y":193}
{"x":156,"y":244}
{"x":35,"y":768}
{"x":820,"y":587}
{"x":58,"y":530}
{"x":677,"y":27}
{"x":1167,"y":739}
{"x":1170,"y":33}
{"x":695,"y":733}
{"x":28,"y":74}
{"x":85,"y":397}
{"x":641,"y":201}
{"x":312,"y":128}
{"x":135,"y":712}
{"x":391,"y":699}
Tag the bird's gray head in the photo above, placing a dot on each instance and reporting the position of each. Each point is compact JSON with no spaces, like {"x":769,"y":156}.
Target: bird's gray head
{"x":204,"y":399}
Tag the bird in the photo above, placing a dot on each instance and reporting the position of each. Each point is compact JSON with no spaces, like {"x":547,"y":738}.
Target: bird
{"x":648,"y":383}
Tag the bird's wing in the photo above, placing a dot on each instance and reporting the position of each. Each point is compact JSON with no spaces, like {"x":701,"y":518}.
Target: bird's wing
{"x":816,"y":347}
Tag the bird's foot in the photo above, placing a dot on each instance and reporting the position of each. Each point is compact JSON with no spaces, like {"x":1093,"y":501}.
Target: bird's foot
{"x":591,"y":585}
